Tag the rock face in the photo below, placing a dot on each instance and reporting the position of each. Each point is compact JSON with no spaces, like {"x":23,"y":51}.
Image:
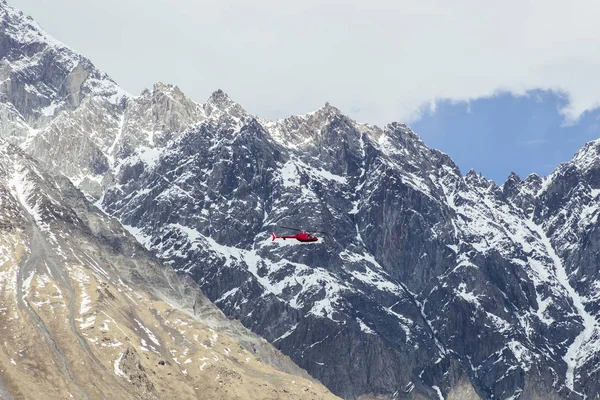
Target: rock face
{"x":86,"y":311}
{"x":428,"y":283}
{"x":425,"y":277}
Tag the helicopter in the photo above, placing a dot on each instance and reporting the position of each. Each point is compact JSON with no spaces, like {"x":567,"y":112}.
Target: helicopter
{"x":302,"y":236}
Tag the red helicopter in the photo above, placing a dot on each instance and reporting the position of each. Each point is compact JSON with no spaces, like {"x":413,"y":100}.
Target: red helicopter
{"x":303,"y":236}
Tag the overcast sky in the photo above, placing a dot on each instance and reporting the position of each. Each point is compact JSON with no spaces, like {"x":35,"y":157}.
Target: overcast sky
{"x":377,"y":60}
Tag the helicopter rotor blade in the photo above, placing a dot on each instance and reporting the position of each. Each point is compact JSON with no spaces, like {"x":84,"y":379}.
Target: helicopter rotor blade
{"x":300,"y":230}
{"x":324,"y":233}
{"x":294,"y":229}
{"x":313,"y":232}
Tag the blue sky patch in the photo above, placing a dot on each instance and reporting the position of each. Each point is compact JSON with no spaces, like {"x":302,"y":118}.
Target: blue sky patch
{"x":506,"y":133}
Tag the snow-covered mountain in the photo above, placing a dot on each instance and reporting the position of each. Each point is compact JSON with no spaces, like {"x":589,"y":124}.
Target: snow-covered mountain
{"x":427,"y":277}
{"x":430,"y":283}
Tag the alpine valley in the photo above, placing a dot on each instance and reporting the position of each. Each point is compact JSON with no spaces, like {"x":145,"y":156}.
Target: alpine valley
{"x":124,"y":218}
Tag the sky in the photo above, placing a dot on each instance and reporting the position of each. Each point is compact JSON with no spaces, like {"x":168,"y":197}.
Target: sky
{"x":499,"y":86}
{"x":505,"y":133}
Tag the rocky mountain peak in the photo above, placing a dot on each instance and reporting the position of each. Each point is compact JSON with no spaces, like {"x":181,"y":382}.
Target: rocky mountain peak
{"x":165,"y":98}
{"x":533,"y":181}
{"x":513,"y":177}
{"x":219,"y":106}
{"x":481,"y":184}
{"x":472,"y":176}
{"x":310,"y":129}
{"x":161,"y":87}
{"x":511,"y":186}
{"x":405,"y":137}
{"x":587,"y":160}
{"x":220,"y":99}
{"x":522,"y":193}
{"x":22,"y":28}
{"x":41,"y":75}
{"x":324,"y":114}
{"x":329,"y":110}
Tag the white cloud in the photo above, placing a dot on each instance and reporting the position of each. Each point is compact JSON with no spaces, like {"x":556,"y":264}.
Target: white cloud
{"x":380,"y":60}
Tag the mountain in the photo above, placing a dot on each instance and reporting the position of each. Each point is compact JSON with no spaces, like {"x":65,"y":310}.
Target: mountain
{"x":86,"y":311}
{"x":405,"y":277}
{"x":429,"y":284}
